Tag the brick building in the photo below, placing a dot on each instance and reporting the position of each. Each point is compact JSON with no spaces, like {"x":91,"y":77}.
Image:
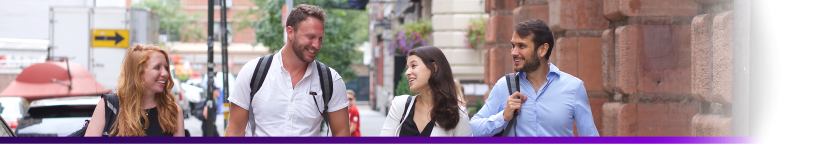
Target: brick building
{"x":650,"y":67}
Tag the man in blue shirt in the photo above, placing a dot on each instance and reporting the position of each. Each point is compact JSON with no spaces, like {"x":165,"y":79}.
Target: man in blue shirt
{"x":549,"y":101}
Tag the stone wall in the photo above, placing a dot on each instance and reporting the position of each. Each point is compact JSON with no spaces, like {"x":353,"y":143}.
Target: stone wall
{"x":712,"y":75}
{"x":650,"y":67}
{"x":450,"y":20}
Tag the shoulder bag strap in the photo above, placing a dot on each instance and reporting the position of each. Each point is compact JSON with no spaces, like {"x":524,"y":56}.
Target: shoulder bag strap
{"x":326,"y":87}
{"x":513,"y":87}
{"x":112,"y":104}
{"x":258,"y":76}
{"x":406,"y":106}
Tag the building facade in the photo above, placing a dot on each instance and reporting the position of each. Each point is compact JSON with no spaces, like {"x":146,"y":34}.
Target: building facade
{"x":650,"y":67}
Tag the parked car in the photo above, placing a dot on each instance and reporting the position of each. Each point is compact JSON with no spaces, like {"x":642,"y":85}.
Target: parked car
{"x":5,"y":130}
{"x":11,"y":108}
{"x":56,"y":117}
{"x":180,"y":99}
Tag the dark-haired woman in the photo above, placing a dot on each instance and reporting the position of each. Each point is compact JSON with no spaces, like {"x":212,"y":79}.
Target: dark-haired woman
{"x":435,"y":111}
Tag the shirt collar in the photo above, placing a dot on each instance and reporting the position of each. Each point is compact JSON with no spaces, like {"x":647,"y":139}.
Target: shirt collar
{"x":553,"y":71}
{"x":280,"y":60}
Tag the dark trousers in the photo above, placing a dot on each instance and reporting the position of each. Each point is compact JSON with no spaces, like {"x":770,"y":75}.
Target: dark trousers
{"x":214,"y":129}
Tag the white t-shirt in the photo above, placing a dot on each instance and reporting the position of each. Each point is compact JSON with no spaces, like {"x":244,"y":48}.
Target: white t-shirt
{"x":281,"y":110}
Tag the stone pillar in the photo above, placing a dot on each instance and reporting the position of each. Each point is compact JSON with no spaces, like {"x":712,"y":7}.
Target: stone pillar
{"x":646,"y":50}
{"x":450,"y":20}
{"x":577,"y":27}
{"x":712,"y":83}
{"x":499,"y":30}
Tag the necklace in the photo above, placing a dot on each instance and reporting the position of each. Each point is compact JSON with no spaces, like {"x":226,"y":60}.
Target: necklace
{"x":147,"y":111}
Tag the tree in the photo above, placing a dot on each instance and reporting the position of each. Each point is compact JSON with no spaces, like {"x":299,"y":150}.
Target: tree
{"x":172,"y":19}
{"x":344,"y":29}
{"x":403,"y":86}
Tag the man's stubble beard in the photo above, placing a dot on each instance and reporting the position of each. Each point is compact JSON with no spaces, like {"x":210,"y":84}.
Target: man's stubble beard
{"x":299,"y":51}
{"x":531,"y":65}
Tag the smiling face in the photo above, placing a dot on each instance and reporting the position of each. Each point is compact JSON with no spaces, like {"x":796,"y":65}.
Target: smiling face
{"x":156,"y":73}
{"x":418,"y":74}
{"x":307,"y":39}
{"x":525,"y":57}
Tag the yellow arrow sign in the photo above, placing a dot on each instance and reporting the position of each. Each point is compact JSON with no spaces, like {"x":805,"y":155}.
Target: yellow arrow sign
{"x":118,"y":38}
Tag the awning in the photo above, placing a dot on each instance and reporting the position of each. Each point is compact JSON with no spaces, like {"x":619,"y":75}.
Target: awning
{"x":51,"y":79}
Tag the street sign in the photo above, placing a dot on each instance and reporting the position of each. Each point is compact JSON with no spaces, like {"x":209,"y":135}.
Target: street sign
{"x":117,"y":38}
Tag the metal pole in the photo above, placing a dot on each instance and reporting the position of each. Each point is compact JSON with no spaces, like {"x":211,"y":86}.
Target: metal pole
{"x":224,"y":62}
{"x":210,"y":103}
{"x":288,"y":10}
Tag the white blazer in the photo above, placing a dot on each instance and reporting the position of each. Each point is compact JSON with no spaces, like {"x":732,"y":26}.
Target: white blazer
{"x":392,"y":125}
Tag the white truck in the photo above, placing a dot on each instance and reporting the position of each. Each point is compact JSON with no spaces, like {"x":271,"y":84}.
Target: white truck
{"x":72,"y":32}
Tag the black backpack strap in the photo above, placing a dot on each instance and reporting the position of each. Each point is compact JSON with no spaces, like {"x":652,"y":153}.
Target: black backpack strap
{"x":258,"y":76}
{"x":112,"y":107}
{"x":406,"y":106}
{"x":326,"y":87}
{"x":513,"y":87}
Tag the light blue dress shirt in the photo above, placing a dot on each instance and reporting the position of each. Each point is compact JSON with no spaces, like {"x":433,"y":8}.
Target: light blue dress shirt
{"x":560,"y":102}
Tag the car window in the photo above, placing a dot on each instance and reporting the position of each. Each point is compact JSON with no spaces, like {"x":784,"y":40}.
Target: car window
{"x":61,"y":111}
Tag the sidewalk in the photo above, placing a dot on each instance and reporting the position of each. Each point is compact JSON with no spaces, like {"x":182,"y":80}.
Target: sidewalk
{"x":194,"y":125}
{"x":371,"y":121}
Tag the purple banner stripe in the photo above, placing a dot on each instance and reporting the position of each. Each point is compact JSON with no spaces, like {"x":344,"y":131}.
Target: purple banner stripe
{"x":378,"y":140}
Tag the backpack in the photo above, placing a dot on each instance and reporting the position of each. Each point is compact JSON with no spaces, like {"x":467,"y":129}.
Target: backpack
{"x":112,"y":105}
{"x":512,"y":84}
{"x":262,"y":68}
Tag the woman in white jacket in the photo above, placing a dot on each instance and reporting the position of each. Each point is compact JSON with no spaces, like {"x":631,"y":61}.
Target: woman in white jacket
{"x":435,"y":111}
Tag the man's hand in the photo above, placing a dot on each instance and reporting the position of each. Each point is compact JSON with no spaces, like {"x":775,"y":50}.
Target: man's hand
{"x":513,"y":104}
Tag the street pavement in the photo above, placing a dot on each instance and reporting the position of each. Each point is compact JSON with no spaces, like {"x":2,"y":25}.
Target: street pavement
{"x":194,"y":125}
{"x":371,"y":122}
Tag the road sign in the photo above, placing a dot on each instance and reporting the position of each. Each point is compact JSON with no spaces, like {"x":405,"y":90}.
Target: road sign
{"x":118,"y":38}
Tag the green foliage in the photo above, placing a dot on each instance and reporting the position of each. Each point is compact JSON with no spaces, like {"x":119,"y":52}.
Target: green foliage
{"x":344,"y":30}
{"x":475,"y":33}
{"x":411,"y":35}
{"x":473,"y":110}
{"x":403,"y":86}
{"x":173,"y":20}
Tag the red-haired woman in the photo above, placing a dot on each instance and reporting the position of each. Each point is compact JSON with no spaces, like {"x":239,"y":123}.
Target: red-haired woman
{"x":146,"y":105}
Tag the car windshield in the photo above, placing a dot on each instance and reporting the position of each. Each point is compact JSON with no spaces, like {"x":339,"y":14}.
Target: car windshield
{"x":61,"y":111}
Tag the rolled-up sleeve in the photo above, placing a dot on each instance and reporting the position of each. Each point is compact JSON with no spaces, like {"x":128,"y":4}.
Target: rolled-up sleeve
{"x":490,"y":120}
{"x":583,"y":115}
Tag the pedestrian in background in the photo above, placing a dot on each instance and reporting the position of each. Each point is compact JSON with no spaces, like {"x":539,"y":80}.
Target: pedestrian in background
{"x":286,"y":104}
{"x":435,"y":111}
{"x":217,"y":95}
{"x":458,"y":89}
{"x":146,"y":104}
{"x":354,"y":117}
{"x":549,"y":102}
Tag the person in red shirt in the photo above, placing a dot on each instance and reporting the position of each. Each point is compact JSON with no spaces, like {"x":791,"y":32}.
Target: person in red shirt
{"x":354,"y":118}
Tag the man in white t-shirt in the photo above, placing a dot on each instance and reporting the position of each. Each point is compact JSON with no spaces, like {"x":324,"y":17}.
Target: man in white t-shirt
{"x":284,"y":106}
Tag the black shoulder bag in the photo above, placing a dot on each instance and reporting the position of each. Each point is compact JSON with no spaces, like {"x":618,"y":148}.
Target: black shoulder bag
{"x":112,"y":105}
